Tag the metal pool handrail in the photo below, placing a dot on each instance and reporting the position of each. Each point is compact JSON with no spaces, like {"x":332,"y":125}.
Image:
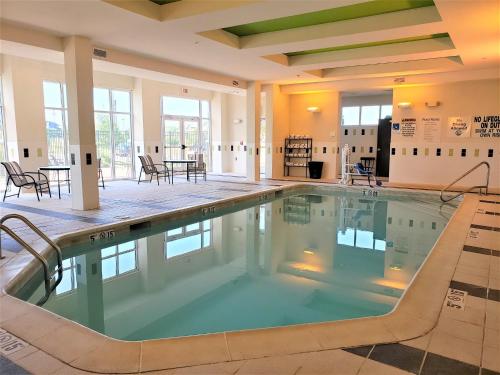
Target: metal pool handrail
{"x":49,"y":286}
{"x":480,"y":187}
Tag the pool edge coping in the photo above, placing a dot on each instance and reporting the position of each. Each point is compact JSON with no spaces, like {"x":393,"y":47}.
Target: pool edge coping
{"x":98,"y":353}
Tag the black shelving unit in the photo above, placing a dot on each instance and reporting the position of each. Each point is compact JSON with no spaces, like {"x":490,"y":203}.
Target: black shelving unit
{"x":298,"y":153}
{"x":297,"y":209}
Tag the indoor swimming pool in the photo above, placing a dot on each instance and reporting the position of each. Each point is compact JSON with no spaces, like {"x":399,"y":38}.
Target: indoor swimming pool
{"x":307,"y":256}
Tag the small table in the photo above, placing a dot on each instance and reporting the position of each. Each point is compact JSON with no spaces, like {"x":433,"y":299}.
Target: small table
{"x":58,"y":169}
{"x":181,"y":161}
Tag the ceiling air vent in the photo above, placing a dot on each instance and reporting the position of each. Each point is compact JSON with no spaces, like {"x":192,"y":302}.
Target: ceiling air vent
{"x":100,"y":53}
{"x":236,"y":83}
{"x":399,"y":80}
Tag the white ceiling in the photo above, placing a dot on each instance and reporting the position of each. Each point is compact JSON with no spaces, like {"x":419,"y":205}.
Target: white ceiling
{"x":473,"y":25}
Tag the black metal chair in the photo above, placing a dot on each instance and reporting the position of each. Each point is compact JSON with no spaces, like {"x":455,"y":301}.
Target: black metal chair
{"x":198,"y":168}
{"x":149,"y":168}
{"x":28,"y":180}
{"x":100,"y":176}
{"x":365,"y":170}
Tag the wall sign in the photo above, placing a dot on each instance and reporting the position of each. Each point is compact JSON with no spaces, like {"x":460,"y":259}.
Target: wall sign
{"x":408,"y":127}
{"x":396,"y":128}
{"x":458,"y":127}
{"x":486,"y":126}
{"x":432,"y":129}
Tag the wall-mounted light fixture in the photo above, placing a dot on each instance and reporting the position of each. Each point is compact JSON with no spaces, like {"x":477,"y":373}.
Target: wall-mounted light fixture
{"x":432,"y":104}
{"x":314,"y":109}
{"x":404,"y":105}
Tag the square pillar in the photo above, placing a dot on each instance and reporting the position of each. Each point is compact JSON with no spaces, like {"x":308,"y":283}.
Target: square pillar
{"x":82,"y":147}
{"x":253,"y":131}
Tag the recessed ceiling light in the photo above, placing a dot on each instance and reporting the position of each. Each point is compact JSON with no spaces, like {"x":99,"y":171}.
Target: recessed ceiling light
{"x":298,"y":75}
{"x":197,"y":42}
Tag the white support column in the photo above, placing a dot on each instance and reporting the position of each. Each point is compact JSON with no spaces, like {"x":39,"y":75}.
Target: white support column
{"x":79,"y":86}
{"x":253,"y":131}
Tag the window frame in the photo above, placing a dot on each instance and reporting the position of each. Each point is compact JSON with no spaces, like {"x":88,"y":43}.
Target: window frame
{"x":360,"y":111}
{"x":116,"y":255}
{"x":3,"y":130}
{"x":64,"y":116}
{"x":181,"y":118}
{"x":111,"y":112}
{"x":184,"y":233}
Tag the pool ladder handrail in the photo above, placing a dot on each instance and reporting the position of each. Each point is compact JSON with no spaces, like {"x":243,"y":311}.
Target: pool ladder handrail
{"x":480,"y":187}
{"x":49,"y":286}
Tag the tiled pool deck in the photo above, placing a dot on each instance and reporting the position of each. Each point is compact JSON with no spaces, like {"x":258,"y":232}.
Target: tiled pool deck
{"x":447,"y":340}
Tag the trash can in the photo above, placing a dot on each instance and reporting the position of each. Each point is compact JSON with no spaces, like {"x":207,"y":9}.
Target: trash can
{"x":315,"y":169}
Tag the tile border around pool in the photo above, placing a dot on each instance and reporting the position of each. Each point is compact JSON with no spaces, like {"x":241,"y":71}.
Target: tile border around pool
{"x":415,"y":314}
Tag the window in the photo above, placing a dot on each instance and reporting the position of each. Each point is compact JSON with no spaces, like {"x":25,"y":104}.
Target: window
{"x":3,"y":139}
{"x":119,"y":259}
{"x":350,"y":116}
{"x":68,"y":282}
{"x":186,"y":128}
{"x":365,"y":115}
{"x":362,"y":239}
{"x":385,"y":111}
{"x":56,"y":122}
{"x":189,"y":238}
{"x":113,"y":132}
{"x":370,"y":114}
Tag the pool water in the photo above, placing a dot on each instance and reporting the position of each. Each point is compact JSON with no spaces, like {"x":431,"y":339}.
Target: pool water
{"x":298,"y":259}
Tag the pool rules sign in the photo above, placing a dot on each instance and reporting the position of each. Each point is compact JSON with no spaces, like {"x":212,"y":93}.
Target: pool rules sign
{"x":486,"y":127}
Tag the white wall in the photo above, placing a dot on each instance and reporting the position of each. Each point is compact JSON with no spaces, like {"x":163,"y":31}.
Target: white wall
{"x":322,"y":126}
{"x":457,"y":99}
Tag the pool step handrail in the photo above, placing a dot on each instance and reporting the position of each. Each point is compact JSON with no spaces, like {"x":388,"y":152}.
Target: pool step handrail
{"x":480,"y":187}
{"x":49,"y":285}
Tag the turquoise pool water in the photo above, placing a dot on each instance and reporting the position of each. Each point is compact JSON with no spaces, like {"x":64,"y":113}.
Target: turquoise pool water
{"x":298,"y":259}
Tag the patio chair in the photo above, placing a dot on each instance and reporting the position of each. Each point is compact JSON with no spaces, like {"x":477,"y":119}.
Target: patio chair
{"x":199,"y":168}
{"x":28,"y":180}
{"x":150,"y":169}
{"x":100,"y":176}
{"x":364,"y":170}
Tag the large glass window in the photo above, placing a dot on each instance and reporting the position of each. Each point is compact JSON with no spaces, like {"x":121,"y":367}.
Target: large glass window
{"x":189,"y":238}
{"x":186,"y":128}
{"x":56,"y":122}
{"x":119,"y":259}
{"x":365,"y":115}
{"x":113,"y":132}
{"x":3,"y":140}
{"x":68,"y":282}
{"x":355,"y":237}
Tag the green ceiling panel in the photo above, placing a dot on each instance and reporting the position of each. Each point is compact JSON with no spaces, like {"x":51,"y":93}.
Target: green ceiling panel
{"x":349,"y":12}
{"x":161,"y":2}
{"x":371,"y":44}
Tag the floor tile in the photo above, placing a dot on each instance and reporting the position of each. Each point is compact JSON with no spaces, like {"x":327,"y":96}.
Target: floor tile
{"x":471,"y":289}
{"x":8,"y":367}
{"x":420,"y":342}
{"x":491,"y":358}
{"x":400,"y":356}
{"x":438,"y":365}
{"x":362,"y":351}
{"x":456,"y":348}
{"x":494,"y":295}
{"x":370,"y":367}
{"x":485,"y":371}
{"x":468,"y":278}
{"x":462,"y":330}
{"x":491,"y":338}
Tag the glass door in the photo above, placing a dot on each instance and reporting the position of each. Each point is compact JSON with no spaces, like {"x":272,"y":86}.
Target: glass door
{"x":190,"y":136}
{"x":172,"y":139}
{"x":103,"y":143}
{"x":113,"y":132}
{"x":122,"y":134}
